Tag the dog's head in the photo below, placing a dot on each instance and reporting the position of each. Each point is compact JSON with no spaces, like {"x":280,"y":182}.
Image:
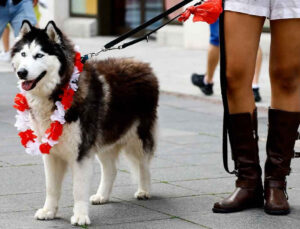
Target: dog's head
{"x":42,"y":59}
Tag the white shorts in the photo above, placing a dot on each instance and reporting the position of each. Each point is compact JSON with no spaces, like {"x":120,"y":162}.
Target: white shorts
{"x":272,"y":9}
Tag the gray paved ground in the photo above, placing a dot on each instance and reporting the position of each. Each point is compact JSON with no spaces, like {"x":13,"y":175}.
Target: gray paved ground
{"x":187,"y":176}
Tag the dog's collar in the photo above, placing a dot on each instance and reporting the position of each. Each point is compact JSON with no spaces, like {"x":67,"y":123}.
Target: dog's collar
{"x":28,"y":137}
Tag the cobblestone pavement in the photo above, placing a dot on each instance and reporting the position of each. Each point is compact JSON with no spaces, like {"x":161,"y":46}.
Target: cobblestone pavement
{"x":187,"y":176}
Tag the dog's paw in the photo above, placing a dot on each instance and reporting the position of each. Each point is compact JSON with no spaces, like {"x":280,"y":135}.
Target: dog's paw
{"x":45,"y":214}
{"x":142,"y":195}
{"x":80,"y":220}
{"x":98,"y":199}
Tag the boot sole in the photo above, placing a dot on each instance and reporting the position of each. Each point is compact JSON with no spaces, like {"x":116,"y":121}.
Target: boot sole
{"x":277,"y":212}
{"x":224,"y":211}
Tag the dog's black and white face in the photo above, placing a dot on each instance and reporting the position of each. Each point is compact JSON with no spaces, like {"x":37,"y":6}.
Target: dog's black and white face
{"x":40,"y":57}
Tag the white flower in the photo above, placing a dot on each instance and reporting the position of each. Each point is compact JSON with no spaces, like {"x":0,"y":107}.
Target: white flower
{"x":77,"y":48}
{"x":22,"y":120}
{"x":59,"y":113}
{"x":33,"y":148}
{"x":74,"y":79}
{"x":49,"y":141}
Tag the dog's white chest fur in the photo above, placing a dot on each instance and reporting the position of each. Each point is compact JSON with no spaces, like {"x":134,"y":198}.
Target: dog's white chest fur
{"x":69,"y":141}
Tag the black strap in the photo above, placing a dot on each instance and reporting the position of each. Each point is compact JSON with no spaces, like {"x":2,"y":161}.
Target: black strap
{"x":146,"y":24}
{"x":146,"y":37}
{"x":109,"y":46}
{"x":223,"y":81}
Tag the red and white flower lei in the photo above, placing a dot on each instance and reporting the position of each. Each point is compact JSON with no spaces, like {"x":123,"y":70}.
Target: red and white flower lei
{"x":28,"y":137}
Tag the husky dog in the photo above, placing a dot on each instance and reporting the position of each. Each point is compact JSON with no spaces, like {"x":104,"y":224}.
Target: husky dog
{"x":114,"y":109}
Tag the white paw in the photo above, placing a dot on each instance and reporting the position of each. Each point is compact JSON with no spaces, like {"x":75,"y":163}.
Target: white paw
{"x":45,"y":214}
{"x":142,"y":195}
{"x":98,"y":199}
{"x":80,"y":220}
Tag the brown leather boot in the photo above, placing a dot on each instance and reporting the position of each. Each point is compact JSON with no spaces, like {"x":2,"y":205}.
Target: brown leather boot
{"x":282,"y":134}
{"x":244,"y":144}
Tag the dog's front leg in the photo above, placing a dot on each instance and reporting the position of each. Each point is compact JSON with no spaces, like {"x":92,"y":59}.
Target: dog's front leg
{"x":82,"y":172}
{"x":54,"y":171}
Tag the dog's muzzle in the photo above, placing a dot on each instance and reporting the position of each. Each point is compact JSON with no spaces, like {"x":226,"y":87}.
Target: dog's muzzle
{"x":22,"y":74}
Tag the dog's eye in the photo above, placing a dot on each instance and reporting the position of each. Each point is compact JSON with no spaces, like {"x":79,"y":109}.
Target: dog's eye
{"x":39,"y":55}
{"x":23,"y":54}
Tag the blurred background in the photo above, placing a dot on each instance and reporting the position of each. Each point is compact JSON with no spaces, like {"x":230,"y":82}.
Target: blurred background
{"x":175,"y":52}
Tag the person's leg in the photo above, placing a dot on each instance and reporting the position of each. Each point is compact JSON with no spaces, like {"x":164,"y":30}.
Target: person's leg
{"x":205,"y":81}
{"x":22,"y":11}
{"x":255,"y":85}
{"x":5,"y":38}
{"x":285,"y":65}
{"x":4,"y":19}
{"x":213,"y":57}
{"x":242,"y":34}
{"x":284,"y":114}
{"x":257,"y":67}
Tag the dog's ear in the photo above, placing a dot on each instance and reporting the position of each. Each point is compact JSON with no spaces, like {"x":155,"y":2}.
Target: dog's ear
{"x":25,"y":28}
{"x":53,"y":32}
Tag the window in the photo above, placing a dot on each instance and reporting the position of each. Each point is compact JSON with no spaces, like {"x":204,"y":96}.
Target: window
{"x":139,"y":11}
{"x":87,"y":8}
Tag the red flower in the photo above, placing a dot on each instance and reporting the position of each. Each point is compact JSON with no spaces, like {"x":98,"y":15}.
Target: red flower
{"x":21,"y":102}
{"x":67,"y":98}
{"x":27,"y":136}
{"x":186,"y":14}
{"x":208,"y":12}
{"x":78,"y":62}
{"x":55,"y":130}
{"x":45,"y":148}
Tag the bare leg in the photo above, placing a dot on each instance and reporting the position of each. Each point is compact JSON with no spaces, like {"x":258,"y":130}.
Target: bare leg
{"x":241,"y":53}
{"x":5,"y":38}
{"x":54,"y":170}
{"x":285,"y":64}
{"x":213,"y":57}
{"x":82,"y":172}
{"x":108,"y":174}
{"x":257,"y":67}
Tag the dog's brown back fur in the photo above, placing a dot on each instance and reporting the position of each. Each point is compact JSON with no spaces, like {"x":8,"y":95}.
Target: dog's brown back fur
{"x":112,"y":95}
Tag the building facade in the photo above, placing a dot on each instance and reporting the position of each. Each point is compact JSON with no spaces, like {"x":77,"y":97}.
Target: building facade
{"x":117,"y":16}
{"x":86,"y":18}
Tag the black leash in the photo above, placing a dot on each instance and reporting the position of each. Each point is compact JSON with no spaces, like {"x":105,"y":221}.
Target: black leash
{"x":110,"y":46}
{"x":223,"y":81}
{"x":146,"y":24}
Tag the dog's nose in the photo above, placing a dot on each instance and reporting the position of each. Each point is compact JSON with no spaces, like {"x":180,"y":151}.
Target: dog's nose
{"x":22,"y":73}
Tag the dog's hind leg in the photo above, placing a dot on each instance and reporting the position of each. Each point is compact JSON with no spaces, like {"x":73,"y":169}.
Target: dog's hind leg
{"x":107,"y":161}
{"x":140,"y":163}
{"x":54,"y":170}
{"x":82,"y":172}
